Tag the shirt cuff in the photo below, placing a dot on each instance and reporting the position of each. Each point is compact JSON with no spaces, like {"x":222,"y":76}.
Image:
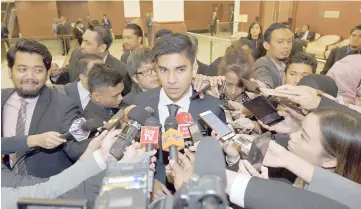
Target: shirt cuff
{"x":99,"y":159}
{"x":238,"y":189}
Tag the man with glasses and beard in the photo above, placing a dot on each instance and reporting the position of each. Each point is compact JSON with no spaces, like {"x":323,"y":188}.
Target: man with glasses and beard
{"x":142,"y":69}
{"x":270,"y":69}
{"x":32,"y":108}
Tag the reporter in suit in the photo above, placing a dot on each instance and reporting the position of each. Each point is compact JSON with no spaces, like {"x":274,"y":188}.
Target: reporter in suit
{"x":97,"y":40}
{"x":270,"y":68}
{"x":176,"y":67}
{"x":256,"y":193}
{"x":340,"y":52}
{"x":79,"y":90}
{"x":142,"y":69}
{"x":32,"y":108}
{"x":132,"y":40}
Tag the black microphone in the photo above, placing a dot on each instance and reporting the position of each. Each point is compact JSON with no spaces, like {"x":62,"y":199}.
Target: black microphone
{"x":130,"y":132}
{"x":80,"y":129}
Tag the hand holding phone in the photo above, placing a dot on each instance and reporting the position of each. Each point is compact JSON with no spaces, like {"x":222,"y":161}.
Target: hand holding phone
{"x":217,"y":125}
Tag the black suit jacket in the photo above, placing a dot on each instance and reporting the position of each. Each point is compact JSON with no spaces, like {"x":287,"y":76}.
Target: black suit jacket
{"x":150,"y":98}
{"x":336,"y":54}
{"x":129,"y":99}
{"x":124,"y":57}
{"x":213,"y":68}
{"x":73,"y":71}
{"x":121,"y":67}
{"x":53,"y":112}
{"x":269,"y":194}
{"x":310,"y":37}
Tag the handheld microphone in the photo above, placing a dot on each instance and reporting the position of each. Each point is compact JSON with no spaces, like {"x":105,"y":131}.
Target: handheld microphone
{"x":149,"y":135}
{"x":172,"y":139}
{"x":81,"y":129}
{"x":130,"y":132}
{"x":184,"y":120}
{"x":114,"y":121}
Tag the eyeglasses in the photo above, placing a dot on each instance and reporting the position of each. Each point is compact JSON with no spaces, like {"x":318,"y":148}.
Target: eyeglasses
{"x":147,"y":72}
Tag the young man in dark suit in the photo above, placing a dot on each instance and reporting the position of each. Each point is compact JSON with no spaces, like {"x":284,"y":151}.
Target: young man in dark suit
{"x":340,"y":52}
{"x":141,"y":68}
{"x":105,"y":86}
{"x":97,"y":40}
{"x":132,"y":40}
{"x":79,"y":90}
{"x":32,"y":108}
{"x":176,"y":67}
{"x":270,"y":68}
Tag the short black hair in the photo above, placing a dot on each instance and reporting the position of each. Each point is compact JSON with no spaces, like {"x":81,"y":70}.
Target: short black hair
{"x":29,"y":46}
{"x":302,"y":58}
{"x":273,"y":27}
{"x":136,"y":28}
{"x":194,"y":42}
{"x":102,"y":76}
{"x":176,"y":43}
{"x":137,"y":58}
{"x":162,"y":32}
{"x":82,"y":63}
{"x":357,"y":27}
{"x":93,"y":23}
{"x":103,"y":35}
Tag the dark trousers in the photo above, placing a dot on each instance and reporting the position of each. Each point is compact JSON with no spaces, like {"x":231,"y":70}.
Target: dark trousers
{"x":66,"y":45}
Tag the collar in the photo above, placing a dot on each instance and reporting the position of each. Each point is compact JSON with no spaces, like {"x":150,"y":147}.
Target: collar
{"x":28,"y":100}
{"x":182,"y":103}
{"x":107,"y":110}
{"x":348,"y":50}
{"x":281,"y":66}
{"x":106,"y":56}
{"x":83,"y":92}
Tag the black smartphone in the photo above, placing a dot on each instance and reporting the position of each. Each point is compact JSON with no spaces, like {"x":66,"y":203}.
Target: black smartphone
{"x":217,"y":125}
{"x":263,"y":110}
{"x":204,"y":89}
{"x":287,"y":103}
{"x":251,"y":86}
{"x":114,"y":121}
{"x":258,"y":150}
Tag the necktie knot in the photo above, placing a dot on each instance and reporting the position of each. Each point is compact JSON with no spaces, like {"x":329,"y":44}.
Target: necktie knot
{"x":173,"y":109}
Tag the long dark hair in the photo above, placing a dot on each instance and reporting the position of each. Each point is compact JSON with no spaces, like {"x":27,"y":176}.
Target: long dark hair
{"x":260,"y":36}
{"x":341,"y":133}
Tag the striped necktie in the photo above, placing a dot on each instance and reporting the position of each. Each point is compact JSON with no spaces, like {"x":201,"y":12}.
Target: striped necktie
{"x":20,"y":131}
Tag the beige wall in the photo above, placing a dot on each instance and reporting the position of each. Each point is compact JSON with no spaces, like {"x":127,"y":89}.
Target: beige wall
{"x":35,"y":18}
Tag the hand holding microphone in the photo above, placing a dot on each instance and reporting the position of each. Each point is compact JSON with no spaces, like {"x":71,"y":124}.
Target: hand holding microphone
{"x":47,"y":140}
{"x":182,"y":170}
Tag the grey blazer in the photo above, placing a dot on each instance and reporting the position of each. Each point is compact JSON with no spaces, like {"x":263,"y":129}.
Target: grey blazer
{"x":336,"y":187}
{"x":265,"y":70}
{"x":270,"y":194}
{"x":13,"y":144}
{"x":53,"y":112}
{"x":151,"y":99}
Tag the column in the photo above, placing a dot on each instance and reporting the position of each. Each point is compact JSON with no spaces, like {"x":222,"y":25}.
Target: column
{"x":168,"y":14}
{"x":236,"y":15}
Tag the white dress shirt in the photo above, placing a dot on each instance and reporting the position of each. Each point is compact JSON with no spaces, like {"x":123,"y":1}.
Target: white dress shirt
{"x":304,"y":37}
{"x":105,"y":58}
{"x":164,"y":100}
{"x":84,"y":95}
{"x":11,"y":112}
{"x":238,"y":189}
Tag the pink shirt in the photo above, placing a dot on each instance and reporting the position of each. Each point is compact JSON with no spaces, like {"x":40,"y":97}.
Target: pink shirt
{"x":11,"y":111}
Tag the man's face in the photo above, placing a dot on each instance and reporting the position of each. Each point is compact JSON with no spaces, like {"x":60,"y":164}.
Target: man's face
{"x":280,"y":44}
{"x":28,"y":74}
{"x":109,"y":97}
{"x":130,"y":40}
{"x":90,"y":44}
{"x":175,"y":73}
{"x":355,"y":40}
{"x":147,"y":77}
{"x":296,"y":72}
{"x":304,"y":28}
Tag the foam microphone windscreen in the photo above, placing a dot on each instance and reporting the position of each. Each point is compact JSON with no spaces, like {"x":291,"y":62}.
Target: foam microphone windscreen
{"x":170,"y":122}
{"x":152,"y":121}
{"x":139,"y":114}
{"x":90,"y":125}
{"x":210,"y":159}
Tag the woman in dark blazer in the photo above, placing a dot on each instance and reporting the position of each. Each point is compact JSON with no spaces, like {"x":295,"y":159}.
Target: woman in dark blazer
{"x":255,"y":34}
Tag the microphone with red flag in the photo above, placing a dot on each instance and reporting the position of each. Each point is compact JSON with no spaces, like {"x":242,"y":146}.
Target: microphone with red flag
{"x":184,"y":120}
{"x":149,"y":135}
